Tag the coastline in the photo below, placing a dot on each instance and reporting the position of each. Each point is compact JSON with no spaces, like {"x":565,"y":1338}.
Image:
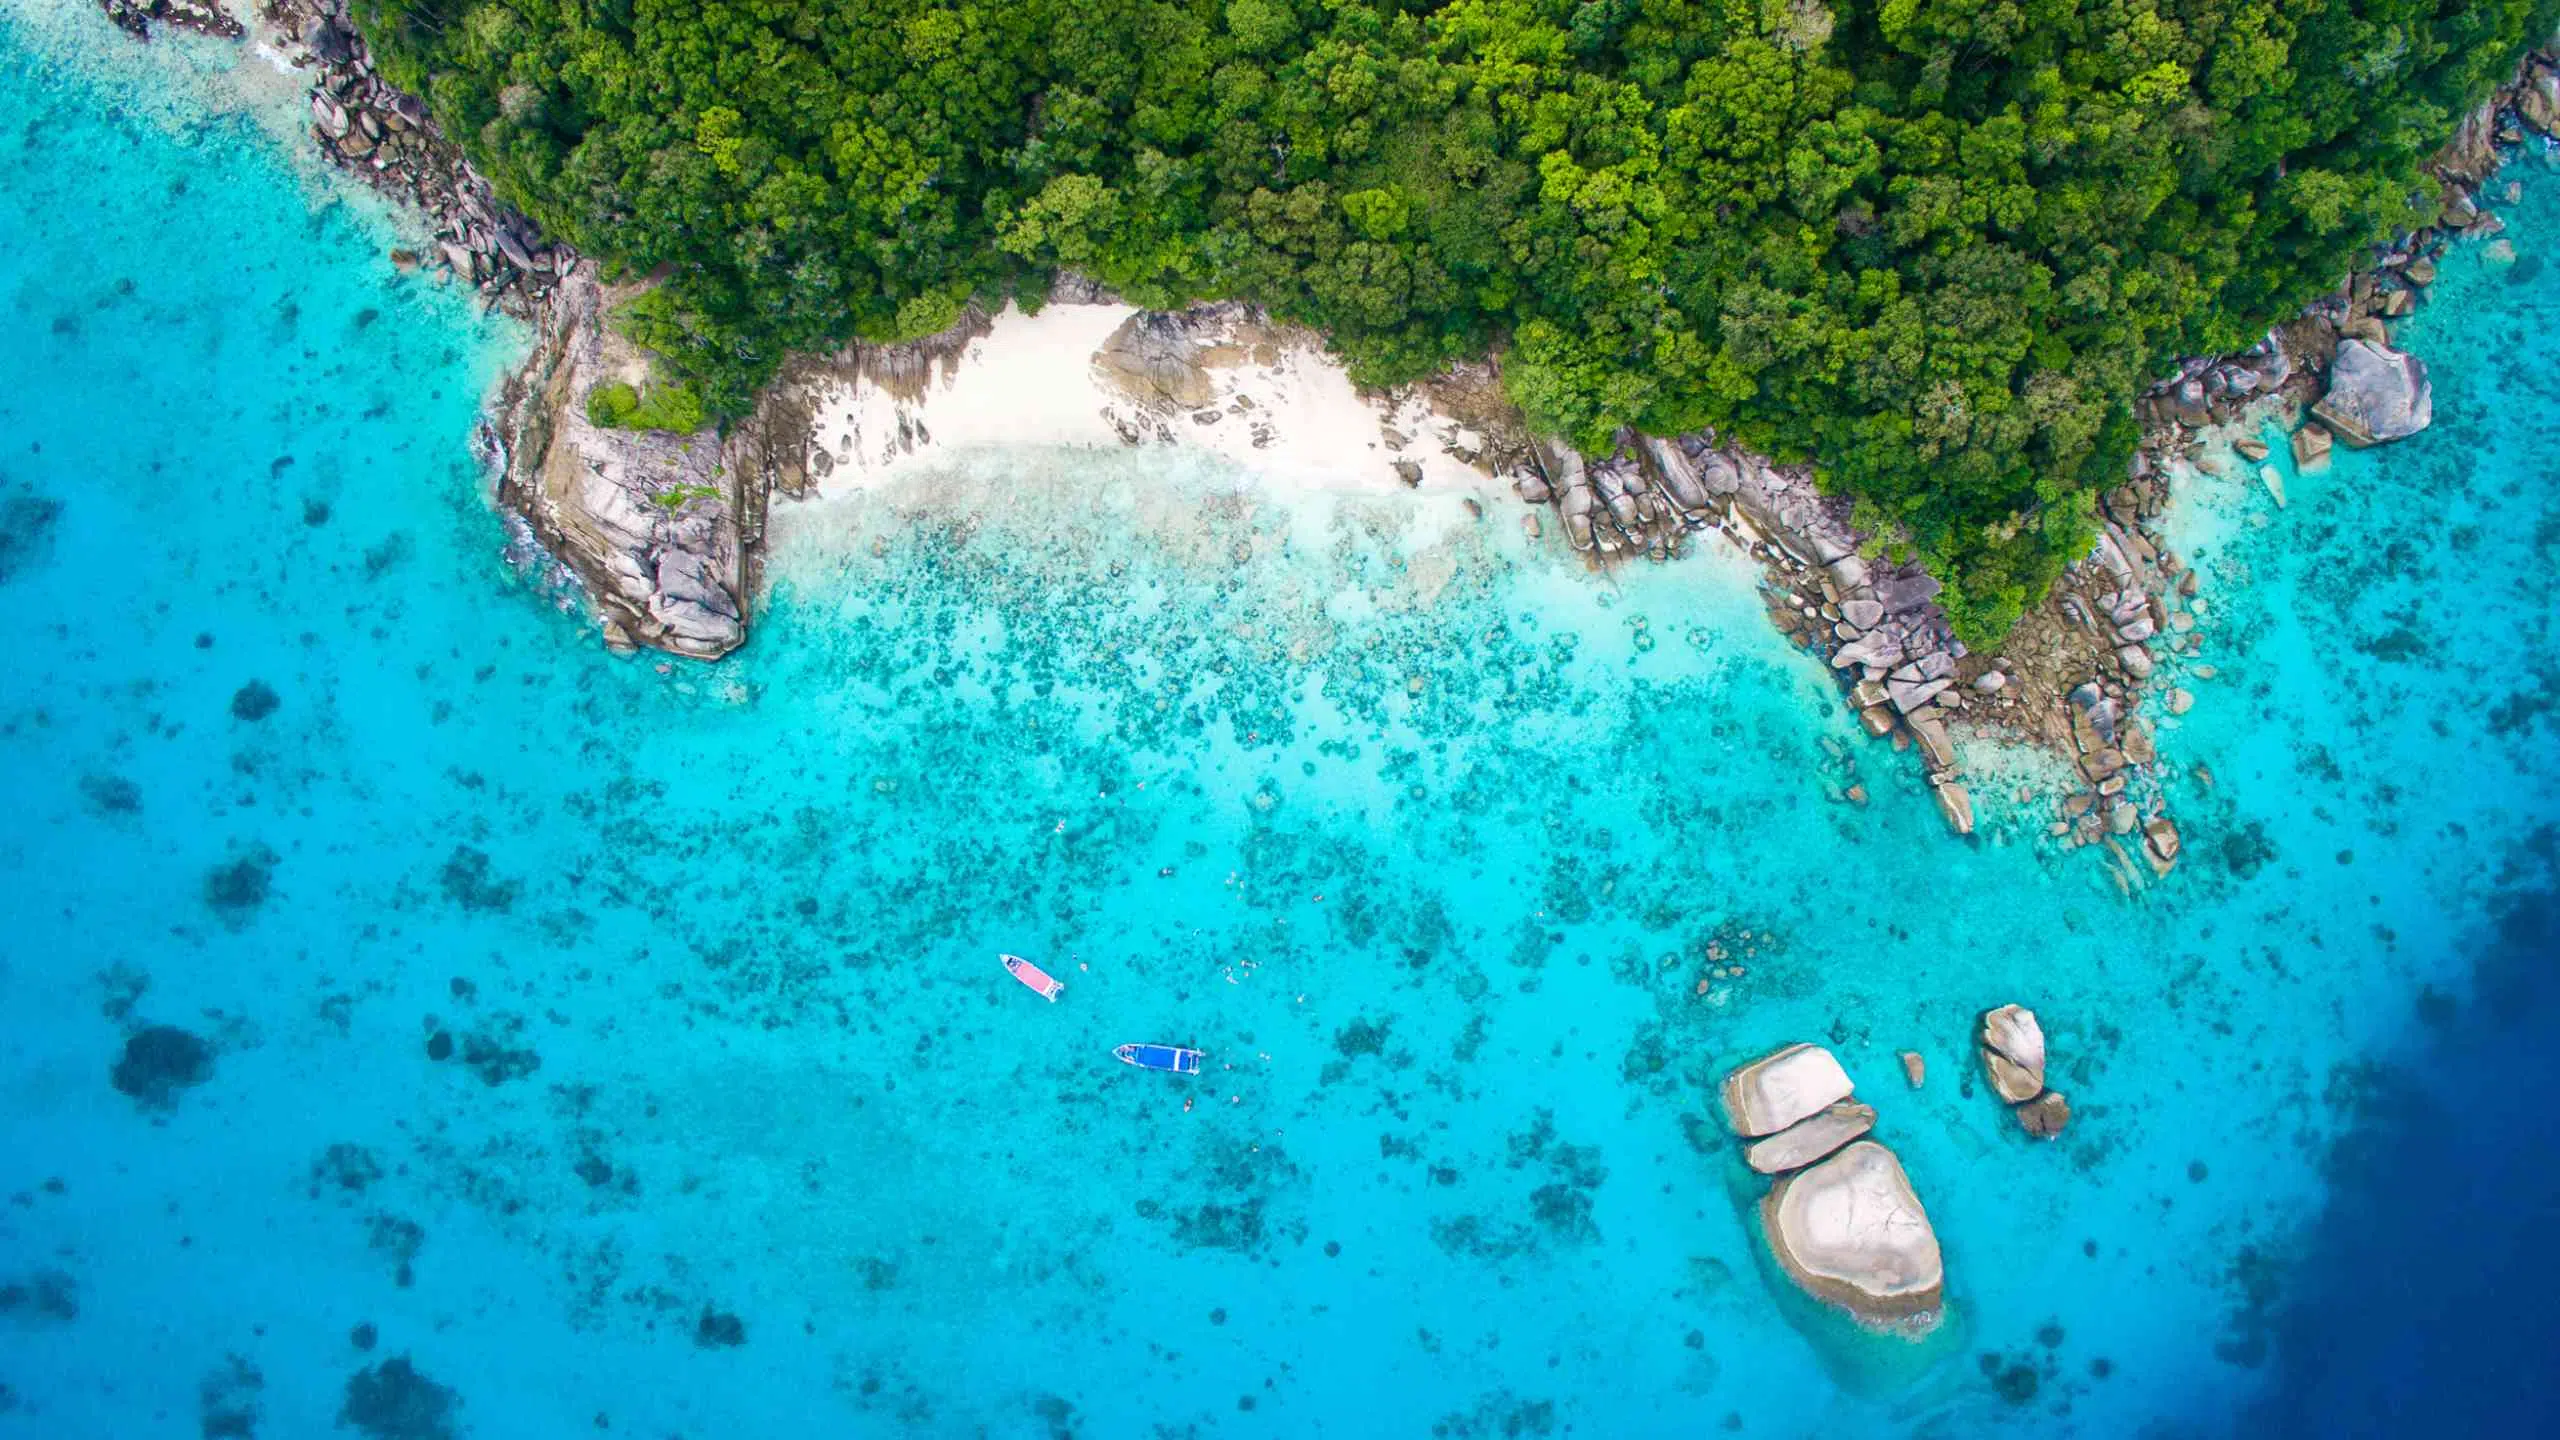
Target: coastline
{"x":969,"y":724}
{"x":1089,"y":371}
{"x":665,"y":532}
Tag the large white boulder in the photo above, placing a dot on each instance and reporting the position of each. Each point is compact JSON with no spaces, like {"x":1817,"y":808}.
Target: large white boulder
{"x":1774,"y":1092}
{"x":1811,"y":1138}
{"x":1852,"y":1233}
{"x":2013,"y":1052}
{"x":2376,"y":394}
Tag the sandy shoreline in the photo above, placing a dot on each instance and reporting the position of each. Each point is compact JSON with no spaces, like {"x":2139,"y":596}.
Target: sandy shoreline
{"x":1272,"y":403}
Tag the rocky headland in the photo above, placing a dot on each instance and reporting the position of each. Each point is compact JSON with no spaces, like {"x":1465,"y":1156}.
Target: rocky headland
{"x":665,"y":531}
{"x":650,"y":521}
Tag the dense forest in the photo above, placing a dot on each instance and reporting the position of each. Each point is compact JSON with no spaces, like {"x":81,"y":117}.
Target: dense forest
{"x":1935,"y":245}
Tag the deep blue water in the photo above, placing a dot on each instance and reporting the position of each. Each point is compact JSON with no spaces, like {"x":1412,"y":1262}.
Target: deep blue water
{"x":2412,"y":1309}
{"x":1445,"y":852}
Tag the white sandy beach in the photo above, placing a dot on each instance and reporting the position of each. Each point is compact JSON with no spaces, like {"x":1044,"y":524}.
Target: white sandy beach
{"x":1286,"y":414}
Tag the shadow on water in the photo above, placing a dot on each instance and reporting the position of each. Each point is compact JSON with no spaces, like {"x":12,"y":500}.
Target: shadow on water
{"x":2420,"y":1304}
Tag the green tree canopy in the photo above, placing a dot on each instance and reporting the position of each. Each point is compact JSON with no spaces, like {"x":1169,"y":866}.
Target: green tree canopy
{"x":1934,"y":245}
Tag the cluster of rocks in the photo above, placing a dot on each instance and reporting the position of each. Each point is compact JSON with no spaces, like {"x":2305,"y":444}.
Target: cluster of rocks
{"x":205,"y":17}
{"x":671,"y":562}
{"x":645,"y":518}
{"x":1162,"y":359}
{"x":365,"y":126}
{"x":2012,"y":1046}
{"x":2330,"y":376}
{"x":1181,"y":370}
{"x":2336,"y":359}
{"x":662,"y":531}
{"x":2073,"y":672}
{"x":1841,"y":1219}
{"x":1877,"y":623}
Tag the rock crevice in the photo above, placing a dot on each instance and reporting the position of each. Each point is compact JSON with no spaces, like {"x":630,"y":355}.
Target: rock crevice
{"x":1842,"y":1219}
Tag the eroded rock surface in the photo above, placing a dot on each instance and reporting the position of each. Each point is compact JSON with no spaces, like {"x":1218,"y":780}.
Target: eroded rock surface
{"x":2013,"y":1056}
{"x":1811,"y":1138}
{"x":647,"y":520}
{"x":2013,"y":1052}
{"x":2376,"y":394}
{"x":1852,"y":1232}
{"x":1161,"y":359}
{"x":2044,"y":1116}
{"x":1772,"y":1093}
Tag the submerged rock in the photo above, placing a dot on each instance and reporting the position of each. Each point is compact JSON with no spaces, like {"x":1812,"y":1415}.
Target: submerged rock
{"x":396,"y":1401}
{"x":158,"y":1062}
{"x":2044,"y":1116}
{"x":2013,"y":1052}
{"x":2273,"y":479}
{"x":1811,"y":1138}
{"x":2160,"y":841}
{"x":2376,"y":395}
{"x":1853,"y":1234}
{"x":1774,"y":1092}
{"x":2310,"y":448}
{"x":1957,"y":805}
{"x":254,"y":701}
{"x":719,"y":1330}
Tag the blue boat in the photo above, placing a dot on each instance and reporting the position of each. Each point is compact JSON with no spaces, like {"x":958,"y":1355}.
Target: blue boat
{"x":1161,"y":1057}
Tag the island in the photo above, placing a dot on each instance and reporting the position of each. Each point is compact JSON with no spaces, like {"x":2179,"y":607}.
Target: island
{"x":1918,"y":306}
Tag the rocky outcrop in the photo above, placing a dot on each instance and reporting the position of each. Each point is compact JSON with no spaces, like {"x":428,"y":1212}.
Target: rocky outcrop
{"x":1852,"y":1232}
{"x":2311,"y":446}
{"x":2012,"y":1045}
{"x":2074,"y":671}
{"x":650,"y":522}
{"x":1161,"y":359}
{"x":2101,"y":633}
{"x":386,"y":138}
{"x":1877,"y":622}
{"x":1777,"y":1090}
{"x":1811,"y":1138}
{"x":661,"y":530}
{"x":1842,"y":1220}
{"x":205,"y":17}
{"x":2013,"y":1058}
{"x":2376,"y":395}
{"x":2044,"y":1116}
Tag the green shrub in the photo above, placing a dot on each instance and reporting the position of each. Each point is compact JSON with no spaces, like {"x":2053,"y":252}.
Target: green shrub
{"x":613,"y":405}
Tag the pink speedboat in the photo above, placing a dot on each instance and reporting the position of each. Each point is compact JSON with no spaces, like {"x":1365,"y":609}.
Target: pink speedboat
{"x":1033,"y":976}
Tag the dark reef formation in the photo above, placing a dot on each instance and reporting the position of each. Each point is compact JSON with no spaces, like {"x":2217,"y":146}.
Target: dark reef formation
{"x":158,"y":1063}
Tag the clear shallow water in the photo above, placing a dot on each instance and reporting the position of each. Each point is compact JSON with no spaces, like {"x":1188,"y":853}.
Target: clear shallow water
{"x":1424,"y":836}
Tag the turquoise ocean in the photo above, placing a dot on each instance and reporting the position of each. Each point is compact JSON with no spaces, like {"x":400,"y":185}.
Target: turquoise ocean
{"x":416,"y":1021}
